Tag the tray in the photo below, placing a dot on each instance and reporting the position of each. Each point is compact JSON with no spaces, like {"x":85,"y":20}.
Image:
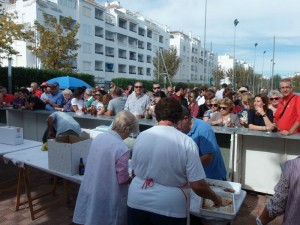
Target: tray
{"x":228,"y":212}
{"x":219,"y":186}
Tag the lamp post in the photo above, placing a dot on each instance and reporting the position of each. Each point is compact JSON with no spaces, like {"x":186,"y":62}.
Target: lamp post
{"x":262,"y":70}
{"x":204,"y":40}
{"x":254,"y":68}
{"x":235,"y":22}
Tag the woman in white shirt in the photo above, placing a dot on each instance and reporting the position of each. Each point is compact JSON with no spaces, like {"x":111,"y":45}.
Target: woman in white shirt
{"x":166,"y":163}
{"x":78,"y":99}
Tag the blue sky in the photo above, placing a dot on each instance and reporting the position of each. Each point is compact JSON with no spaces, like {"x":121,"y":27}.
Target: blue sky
{"x":259,"y":22}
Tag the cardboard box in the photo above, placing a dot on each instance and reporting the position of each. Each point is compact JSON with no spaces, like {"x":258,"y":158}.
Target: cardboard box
{"x":11,"y":135}
{"x":64,"y":153}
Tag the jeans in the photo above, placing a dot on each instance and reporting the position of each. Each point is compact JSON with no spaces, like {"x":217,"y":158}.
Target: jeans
{"x":141,"y":217}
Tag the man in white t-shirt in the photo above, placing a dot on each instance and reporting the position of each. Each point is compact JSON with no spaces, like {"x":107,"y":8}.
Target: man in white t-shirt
{"x":219,"y":93}
{"x":165,"y":161}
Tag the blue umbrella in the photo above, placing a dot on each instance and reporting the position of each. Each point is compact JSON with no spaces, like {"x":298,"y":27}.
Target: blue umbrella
{"x":68,"y":82}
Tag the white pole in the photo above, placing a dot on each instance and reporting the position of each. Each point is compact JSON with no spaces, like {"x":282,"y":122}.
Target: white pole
{"x":9,"y":75}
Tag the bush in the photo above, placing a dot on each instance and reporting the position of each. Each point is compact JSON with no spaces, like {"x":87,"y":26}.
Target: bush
{"x":22,"y":77}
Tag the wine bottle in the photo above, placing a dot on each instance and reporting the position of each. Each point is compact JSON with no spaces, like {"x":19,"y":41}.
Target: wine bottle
{"x":81,"y":167}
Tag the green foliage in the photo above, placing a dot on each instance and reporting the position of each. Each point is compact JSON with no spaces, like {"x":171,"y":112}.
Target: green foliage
{"x":296,"y":83}
{"x":218,"y":74}
{"x":171,"y":61}
{"x":10,"y":32}
{"x":56,"y":45}
{"x":22,"y":77}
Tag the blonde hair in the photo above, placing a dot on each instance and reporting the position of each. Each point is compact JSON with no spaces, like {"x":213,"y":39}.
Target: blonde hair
{"x":248,"y":99}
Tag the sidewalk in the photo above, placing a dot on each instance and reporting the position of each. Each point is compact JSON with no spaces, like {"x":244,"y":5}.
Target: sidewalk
{"x":62,"y":214}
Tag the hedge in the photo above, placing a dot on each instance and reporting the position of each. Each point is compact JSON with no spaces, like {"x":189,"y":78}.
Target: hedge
{"x":22,"y":77}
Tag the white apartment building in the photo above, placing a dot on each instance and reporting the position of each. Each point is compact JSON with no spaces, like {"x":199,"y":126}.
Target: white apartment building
{"x":196,"y":66}
{"x":115,"y":42}
{"x":225,"y":63}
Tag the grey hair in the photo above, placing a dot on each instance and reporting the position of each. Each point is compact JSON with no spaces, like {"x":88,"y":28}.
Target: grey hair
{"x":125,"y":120}
{"x":275,"y":92}
{"x":88,"y":91}
{"x":67,"y":92}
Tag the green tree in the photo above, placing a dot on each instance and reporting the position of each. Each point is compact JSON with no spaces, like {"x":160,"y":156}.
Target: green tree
{"x":171,"y":61}
{"x":218,"y":75}
{"x":296,"y":83}
{"x":10,"y":32}
{"x":56,"y":43}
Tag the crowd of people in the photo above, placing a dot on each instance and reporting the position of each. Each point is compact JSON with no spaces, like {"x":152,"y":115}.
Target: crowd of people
{"x":266,"y":112}
{"x":180,"y":113}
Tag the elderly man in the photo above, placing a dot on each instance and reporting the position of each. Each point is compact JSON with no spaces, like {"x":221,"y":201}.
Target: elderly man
{"x":35,"y":91}
{"x":136,"y":102}
{"x":88,"y":96}
{"x":209,"y":151}
{"x":55,"y":99}
{"x":4,"y":97}
{"x":287,"y":114}
{"x":180,"y":92}
{"x":169,"y":91}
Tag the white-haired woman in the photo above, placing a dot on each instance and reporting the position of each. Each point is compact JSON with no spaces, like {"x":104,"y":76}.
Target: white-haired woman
{"x":67,"y":93}
{"x":274,"y":97}
{"x":103,"y":192}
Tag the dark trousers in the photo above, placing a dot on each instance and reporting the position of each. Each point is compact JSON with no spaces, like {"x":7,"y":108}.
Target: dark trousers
{"x":140,"y":217}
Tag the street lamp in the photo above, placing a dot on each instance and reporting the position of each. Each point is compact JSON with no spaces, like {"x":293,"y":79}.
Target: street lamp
{"x":262,"y":70}
{"x":204,"y":39}
{"x":254,"y":68}
{"x":235,"y":22}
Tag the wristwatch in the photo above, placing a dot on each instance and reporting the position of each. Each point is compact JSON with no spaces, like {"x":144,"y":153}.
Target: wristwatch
{"x":258,"y":221}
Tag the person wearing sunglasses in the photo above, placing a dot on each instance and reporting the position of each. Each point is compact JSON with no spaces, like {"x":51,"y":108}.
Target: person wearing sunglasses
{"x":155,"y":87}
{"x":225,"y":117}
{"x":137,"y":101}
{"x":274,"y":97}
{"x":214,"y":107}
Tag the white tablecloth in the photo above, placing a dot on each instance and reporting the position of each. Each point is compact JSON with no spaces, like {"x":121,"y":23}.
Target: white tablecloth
{"x":4,"y":149}
{"x":36,"y":158}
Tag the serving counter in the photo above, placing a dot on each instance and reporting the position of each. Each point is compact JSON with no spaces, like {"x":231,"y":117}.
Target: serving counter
{"x":252,"y":158}
{"x":258,"y":158}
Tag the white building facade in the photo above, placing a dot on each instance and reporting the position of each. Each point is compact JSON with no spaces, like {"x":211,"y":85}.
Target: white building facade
{"x":196,"y":66}
{"x":114,"y":41}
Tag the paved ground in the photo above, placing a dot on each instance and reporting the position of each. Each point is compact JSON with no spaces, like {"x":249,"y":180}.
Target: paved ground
{"x":62,"y":213}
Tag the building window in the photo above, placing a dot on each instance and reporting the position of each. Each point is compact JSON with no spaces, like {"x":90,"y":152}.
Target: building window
{"x":68,"y":3}
{"x":98,"y":65}
{"x":99,"y":14}
{"x":86,"y":47}
{"x":122,"y":23}
{"x":86,"y":11}
{"x":99,"y":31}
{"x":87,"y":65}
{"x":64,"y":22}
{"x":87,"y":30}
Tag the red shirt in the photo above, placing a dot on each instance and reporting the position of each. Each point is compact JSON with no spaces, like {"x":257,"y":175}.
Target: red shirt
{"x":38,"y":93}
{"x":290,"y":115}
{"x":8,"y":98}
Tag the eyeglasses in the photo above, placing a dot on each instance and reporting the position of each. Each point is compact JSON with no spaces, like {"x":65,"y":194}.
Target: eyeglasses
{"x":223,"y":108}
{"x":286,"y":87}
{"x":156,"y":88}
{"x":214,"y":105}
{"x":276,"y":99}
{"x":140,"y":87}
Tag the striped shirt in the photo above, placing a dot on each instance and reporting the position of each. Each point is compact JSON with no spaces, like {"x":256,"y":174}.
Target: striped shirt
{"x":137,"y":104}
